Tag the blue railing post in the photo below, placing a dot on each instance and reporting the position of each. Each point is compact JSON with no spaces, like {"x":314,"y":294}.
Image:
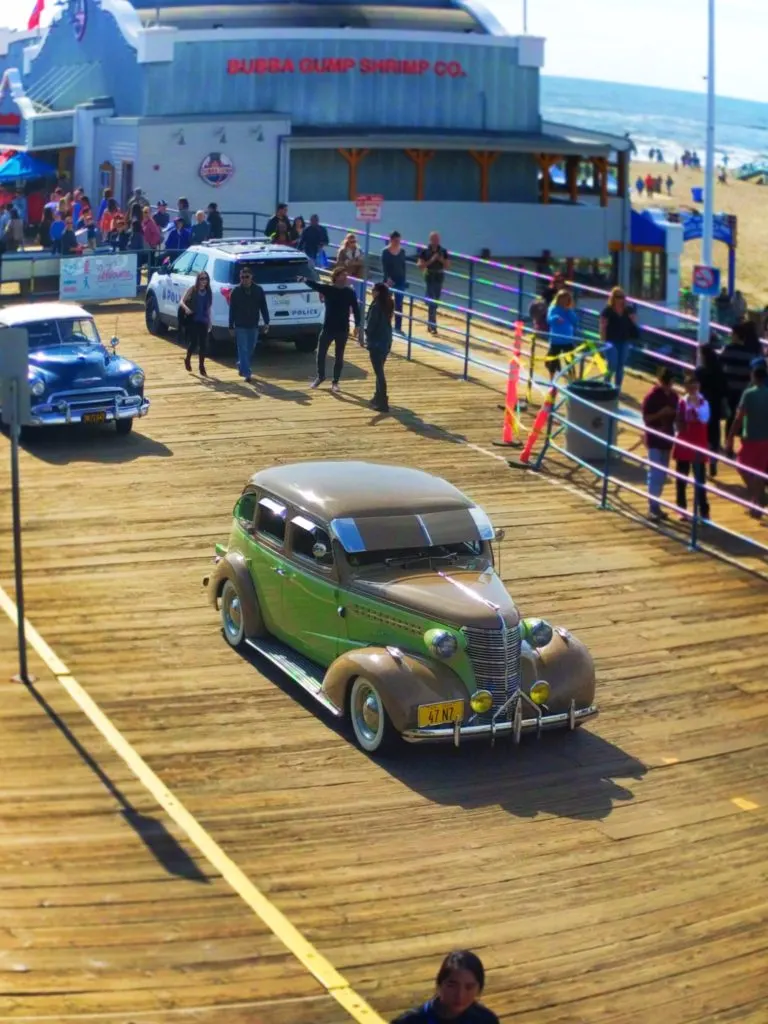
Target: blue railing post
{"x":607,"y":464}
{"x":520,"y":283}
{"x":470,"y":298}
{"x":410,"y":326}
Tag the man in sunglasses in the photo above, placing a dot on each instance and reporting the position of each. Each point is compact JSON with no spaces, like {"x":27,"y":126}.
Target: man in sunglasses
{"x":246,"y":304}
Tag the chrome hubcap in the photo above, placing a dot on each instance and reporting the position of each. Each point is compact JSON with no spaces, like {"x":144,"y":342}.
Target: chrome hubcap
{"x":233,"y":615}
{"x":368,"y":713}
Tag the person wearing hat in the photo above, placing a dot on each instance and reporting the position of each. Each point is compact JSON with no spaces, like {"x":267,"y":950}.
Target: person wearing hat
{"x":751,"y":425}
{"x":179,"y":238}
{"x":162,"y":218}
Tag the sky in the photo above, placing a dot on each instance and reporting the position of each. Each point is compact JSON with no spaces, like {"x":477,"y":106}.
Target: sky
{"x":644,"y":42}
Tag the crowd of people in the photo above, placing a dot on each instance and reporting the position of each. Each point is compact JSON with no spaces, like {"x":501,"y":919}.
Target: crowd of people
{"x":726,"y":393}
{"x":654,"y":185}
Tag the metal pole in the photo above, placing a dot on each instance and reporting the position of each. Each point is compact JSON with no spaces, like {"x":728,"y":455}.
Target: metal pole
{"x":709,"y":180}
{"x":520,"y":297}
{"x":525,"y":17}
{"x":470,"y":297}
{"x":365,"y":266}
{"x":23,"y":676}
{"x":607,"y":464}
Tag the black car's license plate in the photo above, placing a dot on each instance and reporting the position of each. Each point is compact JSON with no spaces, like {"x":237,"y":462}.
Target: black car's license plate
{"x":94,"y":417}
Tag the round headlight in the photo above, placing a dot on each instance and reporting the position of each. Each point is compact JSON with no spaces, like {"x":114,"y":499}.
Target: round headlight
{"x":539,"y":692}
{"x":481,"y":701}
{"x":537,"y":632}
{"x":37,"y":388}
{"x":441,"y":643}
{"x":136,"y":379}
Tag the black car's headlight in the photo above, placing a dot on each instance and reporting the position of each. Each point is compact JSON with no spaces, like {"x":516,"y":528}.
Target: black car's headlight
{"x":136,"y":379}
{"x":37,"y":388}
{"x":537,"y":632}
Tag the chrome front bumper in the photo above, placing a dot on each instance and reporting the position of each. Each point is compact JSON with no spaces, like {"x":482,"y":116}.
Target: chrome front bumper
{"x":516,"y":727}
{"x":63,"y":415}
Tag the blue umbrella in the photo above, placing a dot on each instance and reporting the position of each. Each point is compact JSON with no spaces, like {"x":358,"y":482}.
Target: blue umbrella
{"x":23,"y":167}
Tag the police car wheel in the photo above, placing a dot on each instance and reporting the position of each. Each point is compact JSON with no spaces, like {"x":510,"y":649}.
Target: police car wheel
{"x":152,"y":315}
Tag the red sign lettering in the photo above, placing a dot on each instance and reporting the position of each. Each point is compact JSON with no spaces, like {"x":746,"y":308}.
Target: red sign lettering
{"x":343,"y":65}
{"x":10,"y":121}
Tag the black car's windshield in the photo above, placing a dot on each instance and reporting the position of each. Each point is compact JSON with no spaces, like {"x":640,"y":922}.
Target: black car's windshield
{"x":51,"y":333}
{"x":467,"y":555}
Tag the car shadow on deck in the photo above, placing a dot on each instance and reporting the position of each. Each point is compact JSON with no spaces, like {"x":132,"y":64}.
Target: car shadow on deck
{"x":576,"y":775}
{"x":77,"y":443}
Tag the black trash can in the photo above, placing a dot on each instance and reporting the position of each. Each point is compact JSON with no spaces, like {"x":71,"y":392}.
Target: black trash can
{"x":589,"y":447}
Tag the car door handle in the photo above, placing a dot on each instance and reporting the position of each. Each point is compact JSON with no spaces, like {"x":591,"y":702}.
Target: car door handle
{"x":280,"y":572}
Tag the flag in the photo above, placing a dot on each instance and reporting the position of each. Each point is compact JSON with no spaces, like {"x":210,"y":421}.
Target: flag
{"x":34,"y":18}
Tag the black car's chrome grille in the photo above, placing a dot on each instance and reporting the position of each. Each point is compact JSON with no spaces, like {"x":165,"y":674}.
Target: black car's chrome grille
{"x":495,"y":657}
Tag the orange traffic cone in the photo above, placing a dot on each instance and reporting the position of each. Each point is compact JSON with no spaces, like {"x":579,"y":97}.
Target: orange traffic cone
{"x":538,"y":426}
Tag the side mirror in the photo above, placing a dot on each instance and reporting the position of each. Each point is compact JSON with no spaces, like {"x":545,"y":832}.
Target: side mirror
{"x":319,"y":551}
{"x":500,"y":534}
{"x":114,"y":342}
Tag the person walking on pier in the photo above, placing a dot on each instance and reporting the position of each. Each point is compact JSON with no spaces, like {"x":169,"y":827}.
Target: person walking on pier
{"x":340,"y":302}
{"x":563,"y":324}
{"x":618,"y":327}
{"x":692,"y":417}
{"x":378,"y":338}
{"x":247,"y":304}
{"x":196,"y":310}
{"x":393,"y":267}
{"x":659,"y":415}
{"x":460,"y":983}
{"x":434,"y":261}
{"x":751,"y":424}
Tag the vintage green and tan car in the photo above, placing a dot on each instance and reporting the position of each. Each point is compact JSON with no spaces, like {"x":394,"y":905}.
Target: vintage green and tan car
{"x":374,"y":588}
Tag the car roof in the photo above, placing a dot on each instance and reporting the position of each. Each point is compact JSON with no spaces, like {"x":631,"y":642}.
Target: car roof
{"x":338,"y":490}
{"x":249,"y":248}
{"x":35,"y":312}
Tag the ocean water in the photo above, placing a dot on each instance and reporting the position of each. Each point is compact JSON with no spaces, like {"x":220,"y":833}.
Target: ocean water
{"x":661,"y":118}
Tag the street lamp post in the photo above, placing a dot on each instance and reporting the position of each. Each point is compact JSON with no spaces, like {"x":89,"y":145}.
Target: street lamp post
{"x":709,"y":180}
{"x":525,"y":17}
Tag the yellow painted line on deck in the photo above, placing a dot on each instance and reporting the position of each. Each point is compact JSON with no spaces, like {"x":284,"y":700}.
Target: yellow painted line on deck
{"x":326,"y":974}
{"x":744,"y":804}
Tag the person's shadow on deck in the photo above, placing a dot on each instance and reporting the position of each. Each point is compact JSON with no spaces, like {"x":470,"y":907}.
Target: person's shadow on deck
{"x":409,"y":419}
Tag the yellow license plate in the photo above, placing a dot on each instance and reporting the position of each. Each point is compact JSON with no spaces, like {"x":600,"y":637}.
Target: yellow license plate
{"x":440,"y":714}
{"x":94,"y":417}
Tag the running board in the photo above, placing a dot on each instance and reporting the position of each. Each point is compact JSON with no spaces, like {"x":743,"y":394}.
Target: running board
{"x":301,"y":670}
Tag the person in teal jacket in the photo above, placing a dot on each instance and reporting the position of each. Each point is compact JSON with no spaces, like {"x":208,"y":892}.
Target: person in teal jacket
{"x":563,"y":324}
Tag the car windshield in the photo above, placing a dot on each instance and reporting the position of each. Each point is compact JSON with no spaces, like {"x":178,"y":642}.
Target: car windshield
{"x":50,"y":333}
{"x":468,"y":554}
{"x":272,"y":271}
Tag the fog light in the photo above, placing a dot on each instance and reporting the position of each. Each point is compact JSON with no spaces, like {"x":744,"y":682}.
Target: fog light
{"x":481,"y":701}
{"x":539,"y":692}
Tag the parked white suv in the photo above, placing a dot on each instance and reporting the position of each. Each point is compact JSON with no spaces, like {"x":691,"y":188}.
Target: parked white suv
{"x":295,"y":312}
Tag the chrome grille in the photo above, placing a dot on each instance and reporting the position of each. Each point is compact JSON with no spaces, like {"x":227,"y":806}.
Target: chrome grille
{"x":88,"y":398}
{"x":495,"y":657}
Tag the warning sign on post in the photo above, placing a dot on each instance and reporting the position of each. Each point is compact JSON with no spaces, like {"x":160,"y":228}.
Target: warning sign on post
{"x":706,"y":281}
{"x":369,"y":208}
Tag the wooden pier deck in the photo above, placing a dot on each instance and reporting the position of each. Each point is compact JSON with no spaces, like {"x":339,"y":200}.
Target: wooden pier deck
{"x":612,"y":875}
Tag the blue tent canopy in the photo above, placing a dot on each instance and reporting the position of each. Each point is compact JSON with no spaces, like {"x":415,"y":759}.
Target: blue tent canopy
{"x":24,"y":167}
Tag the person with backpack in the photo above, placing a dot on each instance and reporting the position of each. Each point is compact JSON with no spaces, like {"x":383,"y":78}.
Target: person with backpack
{"x":378,"y":340}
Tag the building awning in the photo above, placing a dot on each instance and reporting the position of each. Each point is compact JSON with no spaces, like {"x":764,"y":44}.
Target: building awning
{"x":506,"y":142}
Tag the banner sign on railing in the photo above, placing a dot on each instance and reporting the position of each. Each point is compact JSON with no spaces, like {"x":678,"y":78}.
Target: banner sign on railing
{"x":96,"y":278}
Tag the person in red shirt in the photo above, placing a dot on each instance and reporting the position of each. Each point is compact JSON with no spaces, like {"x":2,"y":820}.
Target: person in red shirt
{"x":691,"y":448}
{"x":659,"y":413}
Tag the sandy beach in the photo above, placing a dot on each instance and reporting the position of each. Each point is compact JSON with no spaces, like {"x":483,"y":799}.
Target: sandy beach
{"x":745,"y":199}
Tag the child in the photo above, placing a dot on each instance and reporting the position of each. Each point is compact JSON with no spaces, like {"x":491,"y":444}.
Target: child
{"x":692,"y":418}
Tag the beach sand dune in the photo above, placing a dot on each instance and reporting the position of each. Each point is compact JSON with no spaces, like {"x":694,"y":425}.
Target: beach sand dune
{"x":750,"y":204}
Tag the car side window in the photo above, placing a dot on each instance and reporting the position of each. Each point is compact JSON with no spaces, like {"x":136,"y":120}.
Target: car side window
{"x":199,"y":263}
{"x":270,"y":520}
{"x":183,"y":263}
{"x":305,"y":538}
{"x":245,"y":510}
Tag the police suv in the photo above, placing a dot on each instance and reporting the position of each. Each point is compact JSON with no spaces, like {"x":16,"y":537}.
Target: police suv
{"x":295,"y":312}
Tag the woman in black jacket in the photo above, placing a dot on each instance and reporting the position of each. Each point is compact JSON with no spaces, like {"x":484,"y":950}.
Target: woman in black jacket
{"x":378,"y":339}
{"x":460,"y":983}
{"x":714,"y":388}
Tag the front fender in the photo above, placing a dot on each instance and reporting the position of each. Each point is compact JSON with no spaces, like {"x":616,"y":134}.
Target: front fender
{"x":567,"y":666}
{"x":233,"y":567}
{"x":403,"y":680}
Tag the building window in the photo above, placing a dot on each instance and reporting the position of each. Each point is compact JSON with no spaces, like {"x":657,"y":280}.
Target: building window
{"x":106,"y":176}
